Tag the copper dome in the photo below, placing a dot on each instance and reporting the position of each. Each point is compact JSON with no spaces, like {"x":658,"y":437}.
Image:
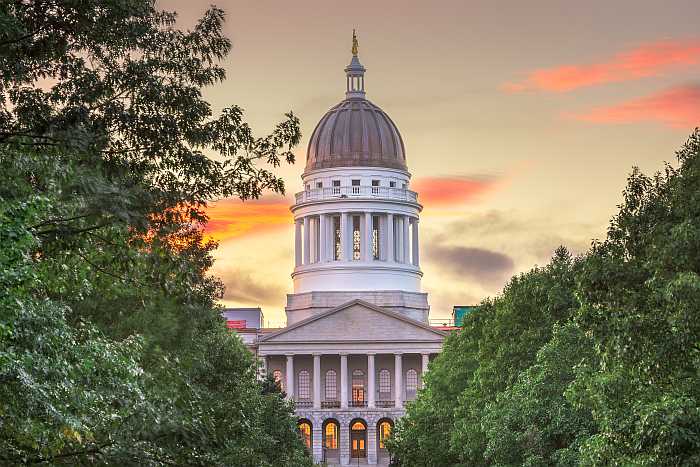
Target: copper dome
{"x":355,"y":133}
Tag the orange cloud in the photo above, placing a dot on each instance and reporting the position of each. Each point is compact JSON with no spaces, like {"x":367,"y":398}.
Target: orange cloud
{"x":644,"y":61}
{"x":677,"y":107}
{"x":233,"y":218}
{"x":442,"y":191}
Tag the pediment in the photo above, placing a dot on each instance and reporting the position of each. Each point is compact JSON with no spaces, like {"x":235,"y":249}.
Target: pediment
{"x":357,"y":321}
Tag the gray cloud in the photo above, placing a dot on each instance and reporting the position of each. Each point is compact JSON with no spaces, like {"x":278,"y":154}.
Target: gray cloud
{"x":241,"y":287}
{"x":484,"y":266}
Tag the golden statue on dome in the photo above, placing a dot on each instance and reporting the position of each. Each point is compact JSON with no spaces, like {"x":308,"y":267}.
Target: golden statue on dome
{"x":354,"y":43}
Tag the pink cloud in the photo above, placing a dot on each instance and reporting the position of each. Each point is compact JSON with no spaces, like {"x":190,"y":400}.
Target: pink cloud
{"x":678,"y":107}
{"x":646,"y":60}
{"x":441,"y":191}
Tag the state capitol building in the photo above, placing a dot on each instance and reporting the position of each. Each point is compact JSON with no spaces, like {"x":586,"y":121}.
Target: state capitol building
{"x":358,"y":339}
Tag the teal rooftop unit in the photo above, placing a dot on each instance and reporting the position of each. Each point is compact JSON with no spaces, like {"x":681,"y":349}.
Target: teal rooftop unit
{"x":460,"y":311}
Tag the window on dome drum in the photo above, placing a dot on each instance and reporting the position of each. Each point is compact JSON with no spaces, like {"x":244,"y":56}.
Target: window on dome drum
{"x":392,"y":184}
{"x":308,"y":187}
{"x":384,"y":384}
{"x":375,"y":187}
{"x":305,"y":432}
{"x":304,"y":385}
{"x":358,"y":388}
{"x":338,"y":250}
{"x":404,"y":186}
{"x":336,"y":187}
{"x":375,"y":237}
{"x":319,"y":184}
{"x":355,"y":187}
{"x":411,"y":382}
{"x":331,"y":435}
{"x":331,"y":387}
{"x":384,"y":433}
{"x":356,"y":255}
{"x":277,"y":375}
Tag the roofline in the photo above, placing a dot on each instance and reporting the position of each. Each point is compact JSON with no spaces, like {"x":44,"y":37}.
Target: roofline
{"x":355,"y":301}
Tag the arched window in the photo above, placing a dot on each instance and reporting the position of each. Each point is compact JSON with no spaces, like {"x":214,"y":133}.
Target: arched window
{"x":277,"y":374}
{"x":384,"y":383}
{"x":358,"y":388}
{"x":305,"y":432}
{"x":384,"y":431}
{"x":411,"y":382}
{"x":304,"y":385}
{"x":330,"y":434}
{"x":331,"y":387}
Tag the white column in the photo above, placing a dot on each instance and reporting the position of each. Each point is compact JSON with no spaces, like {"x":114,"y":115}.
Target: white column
{"x":317,"y":381}
{"x":367,"y":238}
{"x":424,"y":370}
{"x":398,"y":380}
{"x":344,"y":382}
{"x":344,"y":236}
{"x":297,"y":243}
{"x":307,"y":240}
{"x":390,"y":238}
{"x":415,"y":242}
{"x":406,"y":243}
{"x":372,"y":443}
{"x":323,"y":238}
{"x":317,"y":442}
{"x":370,"y":380}
{"x":290,"y":377}
{"x":399,"y":239}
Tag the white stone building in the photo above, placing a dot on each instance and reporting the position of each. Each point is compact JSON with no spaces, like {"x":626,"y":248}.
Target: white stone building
{"x":358,"y":339}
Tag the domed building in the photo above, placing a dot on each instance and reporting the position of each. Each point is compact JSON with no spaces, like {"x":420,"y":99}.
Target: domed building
{"x":358,"y":339}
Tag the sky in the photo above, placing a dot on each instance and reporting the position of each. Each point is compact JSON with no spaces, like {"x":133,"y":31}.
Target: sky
{"x":521,"y":122}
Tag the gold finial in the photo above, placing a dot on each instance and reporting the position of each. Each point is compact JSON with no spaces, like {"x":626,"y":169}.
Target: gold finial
{"x":354,"y":43}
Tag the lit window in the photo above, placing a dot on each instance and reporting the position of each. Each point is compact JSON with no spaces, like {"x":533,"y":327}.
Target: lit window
{"x":277,"y":374}
{"x":375,"y":237}
{"x":331,"y":433}
{"x":411,"y":382}
{"x":338,"y":243}
{"x":304,"y":385}
{"x":384,"y":383}
{"x":356,"y":255}
{"x":331,"y":389}
{"x":305,"y":432}
{"x":358,"y":387}
{"x":384,"y":433}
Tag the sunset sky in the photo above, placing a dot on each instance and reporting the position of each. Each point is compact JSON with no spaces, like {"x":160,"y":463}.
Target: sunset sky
{"x":521,"y":121}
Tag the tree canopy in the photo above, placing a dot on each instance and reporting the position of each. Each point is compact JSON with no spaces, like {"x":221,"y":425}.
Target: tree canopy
{"x":112,"y":348}
{"x":592,"y":360}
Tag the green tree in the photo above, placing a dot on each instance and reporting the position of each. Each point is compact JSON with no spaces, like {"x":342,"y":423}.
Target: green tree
{"x":103,"y":124}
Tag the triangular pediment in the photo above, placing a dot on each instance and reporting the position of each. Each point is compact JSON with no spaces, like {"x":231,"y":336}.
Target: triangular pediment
{"x":356,"y":321}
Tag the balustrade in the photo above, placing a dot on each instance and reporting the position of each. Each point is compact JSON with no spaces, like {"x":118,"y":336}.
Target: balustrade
{"x":383,"y":192}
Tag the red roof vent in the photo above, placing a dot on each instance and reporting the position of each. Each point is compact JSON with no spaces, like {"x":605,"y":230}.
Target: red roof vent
{"x":236,"y":324}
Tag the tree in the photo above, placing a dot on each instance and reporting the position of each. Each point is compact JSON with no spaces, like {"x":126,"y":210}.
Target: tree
{"x":103,"y":125}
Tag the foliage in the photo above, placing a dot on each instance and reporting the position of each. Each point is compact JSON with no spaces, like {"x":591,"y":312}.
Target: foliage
{"x":112,"y":346}
{"x":587,"y":361}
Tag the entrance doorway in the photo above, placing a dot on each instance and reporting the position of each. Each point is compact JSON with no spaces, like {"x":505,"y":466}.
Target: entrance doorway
{"x":358,"y":439}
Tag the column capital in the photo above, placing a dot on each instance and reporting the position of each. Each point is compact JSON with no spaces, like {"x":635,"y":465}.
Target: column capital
{"x":290,"y":354}
{"x":317,"y":354}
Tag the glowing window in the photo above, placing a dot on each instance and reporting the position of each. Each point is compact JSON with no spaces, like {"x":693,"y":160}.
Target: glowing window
{"x":375,"y":237}
{"x":304,"y":385}
{"x":358,"y":386}
{"x":356,"y":255}
{"x":277,"y":374}
{"x":384,"y":433}
{"x":331,"y":434}
{"x":331,"y":388}
{"x":411,"y":381}
{"x":358,"y":426}
{"x":305,"y":432}
{"x":384,"y":382}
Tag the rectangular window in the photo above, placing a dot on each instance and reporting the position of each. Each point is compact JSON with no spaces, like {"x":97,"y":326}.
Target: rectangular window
{"x":319,"y":184}
{"x":355,"y":187}
{"x":336,"y":187}
{"x":392,"y":184}
{"x":375,"y":187}
{"x":356,"y":255}
{"x":375,"y":237}
{"x":338,"y":250}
